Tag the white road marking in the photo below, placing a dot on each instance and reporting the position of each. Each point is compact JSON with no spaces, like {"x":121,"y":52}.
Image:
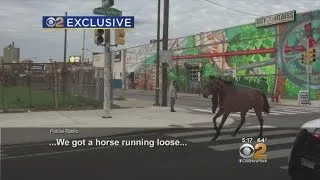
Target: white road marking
{"x":258,"y":127}
{"x":282,"y":112}
{"x":228,"y":137}
{"x":276,"y":112}
{"x":204,"y":132}
{"x":278,"y":153}
{"x":270,"y":142}
{"x":2,"y":154}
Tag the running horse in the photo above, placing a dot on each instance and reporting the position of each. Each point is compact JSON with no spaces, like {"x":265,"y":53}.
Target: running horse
{"x":235,"y":100}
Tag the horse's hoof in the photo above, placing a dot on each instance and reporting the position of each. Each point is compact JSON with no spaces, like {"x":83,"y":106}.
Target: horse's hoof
{"x":213,"y":139}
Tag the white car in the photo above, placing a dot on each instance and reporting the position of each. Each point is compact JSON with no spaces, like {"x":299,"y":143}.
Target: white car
{"x":304,"y":160}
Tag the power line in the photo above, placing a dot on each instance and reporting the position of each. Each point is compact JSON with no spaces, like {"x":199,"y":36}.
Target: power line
{"x":242,"y":12}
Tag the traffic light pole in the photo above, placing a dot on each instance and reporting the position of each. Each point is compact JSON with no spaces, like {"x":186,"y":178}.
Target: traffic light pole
{"x":165,"y":47}
{"x":307,"y":71}
{"x":108,"y":32}
{"x":157,"y":97}
{"x":107,"y":75}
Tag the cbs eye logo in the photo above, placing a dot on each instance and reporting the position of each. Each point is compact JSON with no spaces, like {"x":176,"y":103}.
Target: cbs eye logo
{"x":258,"y":152}
{"x":55,"y":22}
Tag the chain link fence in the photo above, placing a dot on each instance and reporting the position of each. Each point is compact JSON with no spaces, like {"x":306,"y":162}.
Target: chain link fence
{"x":50,"y":86}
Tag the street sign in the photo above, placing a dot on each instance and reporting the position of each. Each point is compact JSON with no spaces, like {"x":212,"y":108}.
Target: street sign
{"x":303,"y":98}
{"x":37,"y":67}
{"x":107,"y":3}
{"x":107,"y":11}
{"x":308,"y":68}
{"x":165,"y":56}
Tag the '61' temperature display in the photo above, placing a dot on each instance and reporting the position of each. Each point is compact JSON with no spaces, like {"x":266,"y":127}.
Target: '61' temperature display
{"x":248,"y":151}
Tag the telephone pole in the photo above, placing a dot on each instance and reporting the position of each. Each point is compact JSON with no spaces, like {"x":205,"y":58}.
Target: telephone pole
{"x":107,"y":75}
{"x":65,"y":44}
{"x":83,"y":45}
{"x":165,"y":38}
{"x":157,"y":98}
{"x":64,"y":69}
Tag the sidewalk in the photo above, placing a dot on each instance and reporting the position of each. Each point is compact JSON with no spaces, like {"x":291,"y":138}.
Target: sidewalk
{"x":282,"y":102}
{"x":122,"y":121}
{"x":292,"y":102}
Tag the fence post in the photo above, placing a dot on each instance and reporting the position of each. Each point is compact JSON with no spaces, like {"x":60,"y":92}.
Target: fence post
{"x":29,"y":84}
{"x":55,"y":84}
{"x":2,"y":86}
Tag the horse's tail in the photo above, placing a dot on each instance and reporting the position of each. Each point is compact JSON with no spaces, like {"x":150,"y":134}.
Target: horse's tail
{"x":266,"y":106}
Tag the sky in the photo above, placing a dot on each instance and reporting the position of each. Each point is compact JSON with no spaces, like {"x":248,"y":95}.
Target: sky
{"x":21,"y":21}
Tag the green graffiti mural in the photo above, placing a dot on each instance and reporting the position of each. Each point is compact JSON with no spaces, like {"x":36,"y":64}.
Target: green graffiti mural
{"x":256,"y":53}
{"x":249,"y":38}
{"x":302,"y":34}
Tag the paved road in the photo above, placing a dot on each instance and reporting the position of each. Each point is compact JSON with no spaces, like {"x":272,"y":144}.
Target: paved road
{"x":192,"y":159}
{"x":280,"y":116}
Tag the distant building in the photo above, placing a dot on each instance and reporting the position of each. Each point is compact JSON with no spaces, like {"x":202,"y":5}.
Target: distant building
{"x":1,"y":58}
{"x":11,"y":54}
{"x":118,"y":67}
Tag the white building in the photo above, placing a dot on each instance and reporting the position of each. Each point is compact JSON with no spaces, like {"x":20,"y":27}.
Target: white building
{"x":118,"y":65}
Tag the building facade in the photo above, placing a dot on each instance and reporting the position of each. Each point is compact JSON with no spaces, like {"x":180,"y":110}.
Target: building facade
{"x":267,"y":57}
{"x":11,"y":54}
{"x":118,"y":67}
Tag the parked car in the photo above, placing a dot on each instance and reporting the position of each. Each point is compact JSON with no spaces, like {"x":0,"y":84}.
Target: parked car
{"x":304,"y":160}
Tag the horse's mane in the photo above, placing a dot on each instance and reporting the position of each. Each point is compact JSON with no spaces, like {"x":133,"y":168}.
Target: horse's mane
{"x":228,"y":82}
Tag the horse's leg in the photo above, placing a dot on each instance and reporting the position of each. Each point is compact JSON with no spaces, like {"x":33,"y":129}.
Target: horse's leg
{"x":259,"y":115}
{"x":243,"y":119}
{"x":224,"y":118}
{"x":214,"y":120}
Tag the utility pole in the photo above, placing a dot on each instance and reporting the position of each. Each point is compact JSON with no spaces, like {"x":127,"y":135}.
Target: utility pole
{"x":64,"y":69}
{"x":307,"y":70}
{"x":111,"y":74}
{"x":165,"y":38}
{"x":107,"y":75}
{"x":83,"y":45}
{"x":157,"y":98}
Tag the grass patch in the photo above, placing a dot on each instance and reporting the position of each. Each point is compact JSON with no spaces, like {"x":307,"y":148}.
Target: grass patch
{"x":22,"y":98}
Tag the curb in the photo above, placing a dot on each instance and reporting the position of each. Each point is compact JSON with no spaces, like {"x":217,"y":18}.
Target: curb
{"x":293,"y":105}
{"x":196,"y":96}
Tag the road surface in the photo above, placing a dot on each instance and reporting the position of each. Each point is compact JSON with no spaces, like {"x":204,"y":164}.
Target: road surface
{"x":193,"y":158}
{"x":280,"y":116}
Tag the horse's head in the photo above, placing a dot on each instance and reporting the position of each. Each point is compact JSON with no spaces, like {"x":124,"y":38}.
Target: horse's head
{"x":210,"y":87}
{"x":216,"y":86}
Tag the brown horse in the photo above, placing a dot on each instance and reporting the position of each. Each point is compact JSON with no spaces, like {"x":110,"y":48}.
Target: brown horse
{"x":235,"y":100}
{"x":216,"y":101}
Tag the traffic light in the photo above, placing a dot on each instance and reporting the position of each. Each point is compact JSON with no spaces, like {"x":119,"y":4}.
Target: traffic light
{"x":312,"y":55}
{"x":98,"y":36}
{"x":120,"y":35}
{"x":304,"y":58}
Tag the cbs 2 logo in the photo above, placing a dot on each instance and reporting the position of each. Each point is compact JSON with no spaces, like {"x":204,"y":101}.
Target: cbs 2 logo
{"x":258,"y":151}
{"x":55,"y":22}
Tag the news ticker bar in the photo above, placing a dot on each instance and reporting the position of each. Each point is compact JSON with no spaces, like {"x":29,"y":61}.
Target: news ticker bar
{"x":87,"y":22}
